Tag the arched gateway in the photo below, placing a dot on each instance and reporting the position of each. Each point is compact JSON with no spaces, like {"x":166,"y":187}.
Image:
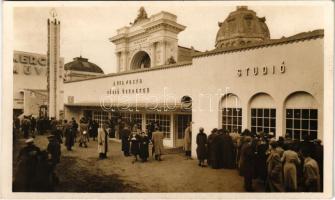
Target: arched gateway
{"x":140,"y":60}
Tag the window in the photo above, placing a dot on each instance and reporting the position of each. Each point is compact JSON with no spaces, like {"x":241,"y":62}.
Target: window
{"x":232,"y":119}
{"x":302,"y":123}
{"x":100,"y":117}
{"x":132,"y":118}
{"x":263,"y":120}
{"x":182,"y":121}
{"x":163,"y":120}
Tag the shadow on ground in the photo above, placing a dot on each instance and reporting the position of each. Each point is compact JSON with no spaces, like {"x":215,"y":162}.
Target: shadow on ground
{"x":75,"y":177}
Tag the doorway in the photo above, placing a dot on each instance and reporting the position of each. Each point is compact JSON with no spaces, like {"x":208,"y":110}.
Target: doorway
{"x":181,"y":122}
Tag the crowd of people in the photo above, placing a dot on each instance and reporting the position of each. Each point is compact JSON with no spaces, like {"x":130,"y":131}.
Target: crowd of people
{"x":282,"y":165}
{"x":136,"y":142}
{"x":35,"y":167}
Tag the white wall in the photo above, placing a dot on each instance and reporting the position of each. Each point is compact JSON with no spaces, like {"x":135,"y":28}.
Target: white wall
{"x":210,"y":77}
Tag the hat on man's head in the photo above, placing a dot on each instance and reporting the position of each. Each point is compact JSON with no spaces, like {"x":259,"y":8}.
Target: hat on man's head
{"x":30,"y":140}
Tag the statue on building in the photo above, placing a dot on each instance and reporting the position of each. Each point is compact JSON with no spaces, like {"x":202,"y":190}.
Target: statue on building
{"x":142,"y":14}
{"x":171,"y":60}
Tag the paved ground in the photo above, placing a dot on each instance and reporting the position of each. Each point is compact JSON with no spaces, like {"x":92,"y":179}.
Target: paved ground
{"x":81,"y":171}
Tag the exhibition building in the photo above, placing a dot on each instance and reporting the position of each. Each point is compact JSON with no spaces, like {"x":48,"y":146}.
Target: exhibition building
{"x":248,"y":81}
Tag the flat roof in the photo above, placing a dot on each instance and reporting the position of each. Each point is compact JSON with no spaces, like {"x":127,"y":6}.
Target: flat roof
{"x":175,"y":65}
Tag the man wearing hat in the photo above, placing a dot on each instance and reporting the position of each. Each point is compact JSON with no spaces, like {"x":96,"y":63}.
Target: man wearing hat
{"x":247,"y":163}
{"x":54,"y":149}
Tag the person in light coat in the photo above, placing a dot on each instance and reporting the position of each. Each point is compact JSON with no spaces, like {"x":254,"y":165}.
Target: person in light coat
{"x":188,"y":140}
{"x":311,"y":173}
{"x":274,"y":171}
{"x":291,"y":161}
{"x":157,"y":140}
{"x":102,"y":142}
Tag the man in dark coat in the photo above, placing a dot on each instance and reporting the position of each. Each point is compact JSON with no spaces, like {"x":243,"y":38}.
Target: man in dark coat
{"x":94,"y":130}
{"x":54,"y":150}
{"x":216,"y":150}
{"x":227,"y":151}
{"x":247,"y":163}
{"x":58,"y":133}
{"x":25,"y":127}
{"x":318,"y":157}
{"x":150,"y":129}
{"x":201,"y":147}
{"x":125,"y":133}
{"x":74,"y":128}
{"x":261,"y":158}
{"x":210,"y":150}
{"x":69,"y":135}
{"x":43,"y":180}
{"x":33,"y":126}
{"x":27,"y":162}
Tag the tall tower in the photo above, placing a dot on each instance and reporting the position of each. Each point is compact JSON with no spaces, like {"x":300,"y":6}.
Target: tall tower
{"x":54,"y":72}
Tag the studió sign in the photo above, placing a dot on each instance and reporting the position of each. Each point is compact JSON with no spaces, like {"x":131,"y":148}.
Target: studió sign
{"x":262,"y":71}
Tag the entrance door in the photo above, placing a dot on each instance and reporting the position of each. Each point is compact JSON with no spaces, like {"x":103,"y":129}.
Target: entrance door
{"x":181,"y":124}
{"x":88,"y":114}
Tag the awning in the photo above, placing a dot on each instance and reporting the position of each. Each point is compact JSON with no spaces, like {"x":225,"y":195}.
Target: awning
{"x":139,"y":106}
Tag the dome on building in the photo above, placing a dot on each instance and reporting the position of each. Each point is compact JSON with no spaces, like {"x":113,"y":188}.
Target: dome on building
{"x":82,"y":64}
{"x":241,"y":27}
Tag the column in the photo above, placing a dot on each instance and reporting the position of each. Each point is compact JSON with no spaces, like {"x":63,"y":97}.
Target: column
{"x":153,"y":57}
{"x":245,"y":117}
{"x":280,"y":123}
{"x":172,"y":130}
{"x":164,"y":52}
{"x":118,"y":64}
{"x":123,"y":61}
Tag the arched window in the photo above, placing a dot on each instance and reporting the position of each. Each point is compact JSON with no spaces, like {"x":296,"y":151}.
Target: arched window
{"x":301,"y":114}
{"x":263,"y":114}
{"x":231,"y":113}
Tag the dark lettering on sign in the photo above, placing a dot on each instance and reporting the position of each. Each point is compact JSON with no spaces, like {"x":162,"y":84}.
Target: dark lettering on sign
{"x":127,"y":82}
{"x":116,"y":90}
{"x":27,"y":69}
{"x":30,"y":59}
{"x":24,"y":59}
{"x":264,"y":70}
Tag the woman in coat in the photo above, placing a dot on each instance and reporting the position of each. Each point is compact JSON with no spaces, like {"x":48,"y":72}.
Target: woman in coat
{"x":291,"y":160}
{"x":144,"y":147}
{"x":274,"y":171}
{"x":102,"y":142}
{"x":202,"y":147}
{"x":69,"y":134}
{"x":210,"y":149}
{"x":94,"y":129}
{"x":134,"y":145}
{"x":83,"y":128}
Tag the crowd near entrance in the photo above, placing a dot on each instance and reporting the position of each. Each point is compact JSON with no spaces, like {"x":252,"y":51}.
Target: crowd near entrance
{"x":171,"y":124}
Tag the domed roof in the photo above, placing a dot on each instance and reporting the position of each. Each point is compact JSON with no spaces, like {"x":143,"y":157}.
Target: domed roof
{"x":241,"y":27}
{"x":82,"y":64}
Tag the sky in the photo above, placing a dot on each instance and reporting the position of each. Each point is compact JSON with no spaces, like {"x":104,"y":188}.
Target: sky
{"x":86,"y":29}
